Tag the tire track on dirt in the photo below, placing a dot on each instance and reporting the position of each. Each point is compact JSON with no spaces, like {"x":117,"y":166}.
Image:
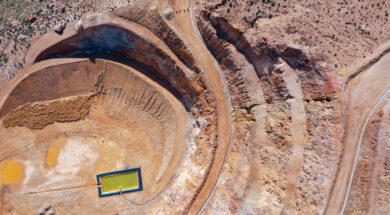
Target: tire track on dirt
{"x":361,"y":93}
{"x":357,"y":154}
{"x":379,"y":160}
{"x":219,"y":88}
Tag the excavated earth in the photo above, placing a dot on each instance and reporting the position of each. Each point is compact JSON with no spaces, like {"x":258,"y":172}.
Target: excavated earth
{"x":220,"y":121}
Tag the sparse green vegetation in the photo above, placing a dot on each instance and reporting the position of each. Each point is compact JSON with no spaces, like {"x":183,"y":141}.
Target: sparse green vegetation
{"x":338,"y":24}
{"x":21,"y":21}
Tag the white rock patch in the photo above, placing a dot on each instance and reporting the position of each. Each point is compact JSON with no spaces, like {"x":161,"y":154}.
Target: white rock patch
{"x":74,"y":155}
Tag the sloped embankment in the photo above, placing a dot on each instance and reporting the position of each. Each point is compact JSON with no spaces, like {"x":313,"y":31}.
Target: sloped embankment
{"x":289,"y":128}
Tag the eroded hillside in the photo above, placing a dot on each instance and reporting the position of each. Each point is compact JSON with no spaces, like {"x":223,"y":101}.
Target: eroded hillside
{"x":227,"y":107}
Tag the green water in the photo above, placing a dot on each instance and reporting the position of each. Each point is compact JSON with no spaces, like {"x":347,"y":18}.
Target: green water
{"x":116,"y":182}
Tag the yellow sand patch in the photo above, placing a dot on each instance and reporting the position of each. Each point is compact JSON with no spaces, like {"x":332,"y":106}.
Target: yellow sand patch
{"x":68,"y":98}
{"x":52,"y":155}
{"x":10,"y":171}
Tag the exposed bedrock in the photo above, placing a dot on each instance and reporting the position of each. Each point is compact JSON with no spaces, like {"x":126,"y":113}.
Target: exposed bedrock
{"x":111,"y":38}
{"x":221,"y":118}
{"x":151,"y":18}
{"x":288,"y":125}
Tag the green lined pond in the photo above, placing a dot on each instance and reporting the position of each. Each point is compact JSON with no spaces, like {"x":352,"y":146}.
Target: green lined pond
{"x":115,"y":182}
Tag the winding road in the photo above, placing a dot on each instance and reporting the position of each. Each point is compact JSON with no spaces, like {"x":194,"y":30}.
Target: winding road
{"x":211,"y":69}
{"x":357,"y":154}
{"x":364,"y":93}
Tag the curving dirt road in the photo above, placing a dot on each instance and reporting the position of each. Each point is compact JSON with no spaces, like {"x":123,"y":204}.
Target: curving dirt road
{"x":380,"y":159}
{"x":363,"y":93}
{"x":357,"y":154}
{"x":210,"y":67}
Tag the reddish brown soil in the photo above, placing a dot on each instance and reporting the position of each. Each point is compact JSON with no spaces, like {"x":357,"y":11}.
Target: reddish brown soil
{"x":229,"y":107}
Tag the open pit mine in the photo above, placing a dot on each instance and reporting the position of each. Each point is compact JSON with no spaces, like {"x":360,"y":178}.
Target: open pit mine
{"x":194,"y":107}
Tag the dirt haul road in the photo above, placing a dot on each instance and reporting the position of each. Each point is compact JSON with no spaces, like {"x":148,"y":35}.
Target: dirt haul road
{"x":363,"y":93}
{"x":212,"y":71}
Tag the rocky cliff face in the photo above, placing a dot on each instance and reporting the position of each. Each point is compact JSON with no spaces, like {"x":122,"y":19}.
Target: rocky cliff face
{"x":250,"y":107}
{"x":295,"y":101}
